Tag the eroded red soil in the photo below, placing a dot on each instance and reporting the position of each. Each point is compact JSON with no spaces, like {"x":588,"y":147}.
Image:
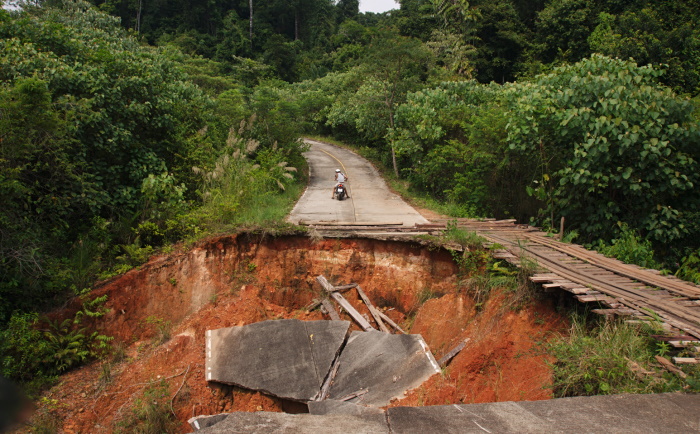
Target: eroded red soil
{"x":238,"y":280}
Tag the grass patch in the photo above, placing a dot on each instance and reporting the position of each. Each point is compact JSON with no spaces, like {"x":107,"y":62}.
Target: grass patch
{"x":601,"y":357}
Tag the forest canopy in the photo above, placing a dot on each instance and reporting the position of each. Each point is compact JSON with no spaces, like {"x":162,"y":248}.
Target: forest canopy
{"x":126,"y":126}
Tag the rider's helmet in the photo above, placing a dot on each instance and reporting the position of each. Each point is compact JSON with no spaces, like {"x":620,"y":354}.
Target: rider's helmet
{"x":337,"y":170}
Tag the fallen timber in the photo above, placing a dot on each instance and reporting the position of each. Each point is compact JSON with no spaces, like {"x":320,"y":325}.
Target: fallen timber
{"x":619,"y":289}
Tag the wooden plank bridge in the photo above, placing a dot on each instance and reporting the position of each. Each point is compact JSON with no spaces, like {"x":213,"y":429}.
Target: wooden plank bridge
{"x":616,"y":288}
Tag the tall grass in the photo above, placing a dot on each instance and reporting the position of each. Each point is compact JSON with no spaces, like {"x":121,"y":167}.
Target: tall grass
{"x":603,"y":357}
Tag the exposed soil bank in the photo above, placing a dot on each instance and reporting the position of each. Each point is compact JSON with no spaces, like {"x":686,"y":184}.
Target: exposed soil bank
{"x":237,"y":280}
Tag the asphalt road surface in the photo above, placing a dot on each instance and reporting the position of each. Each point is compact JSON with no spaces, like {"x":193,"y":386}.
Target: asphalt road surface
{"x":370,"y":200}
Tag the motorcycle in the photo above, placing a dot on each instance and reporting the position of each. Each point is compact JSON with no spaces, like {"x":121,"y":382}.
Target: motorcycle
{"x":340,"y":191}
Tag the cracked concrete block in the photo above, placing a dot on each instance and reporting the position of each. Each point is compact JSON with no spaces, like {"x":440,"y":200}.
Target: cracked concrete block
{"x":384,"y":365}
{"x":201,"y":422}
{"x":285,"y":358}
{"x":267,"y":422}
{"x":330,"y":406}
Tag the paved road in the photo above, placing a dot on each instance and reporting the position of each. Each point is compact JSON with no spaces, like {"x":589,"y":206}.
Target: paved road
{"x":370,"y":198}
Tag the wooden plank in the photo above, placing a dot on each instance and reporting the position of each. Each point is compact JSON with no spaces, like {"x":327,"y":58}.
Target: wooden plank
{"x":359,"y":319}
{"x":390,"y":322}
{"x":350,"y":224}
{"x":328,"y":306}
{"x":685,"y":361}
{"x":329,"y":380}
{"x":325,"y":283}
{"x":452,"y":353}
{"x":372,"y":310}
{"x":602,"y":298}
{"x":542,"y":278}
{"x":682,"y":344}
{"x":552,"y":285}
{"x":619,"y":311}
{"x":578,"y":290}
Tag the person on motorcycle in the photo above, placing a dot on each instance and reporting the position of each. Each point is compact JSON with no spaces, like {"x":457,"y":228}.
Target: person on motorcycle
{"x":340,"y":178}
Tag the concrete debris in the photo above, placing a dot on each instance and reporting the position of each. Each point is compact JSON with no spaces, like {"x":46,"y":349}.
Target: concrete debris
{"x":201,"y":422}
{"x":285,"y":358}
{"x":385,"y":366}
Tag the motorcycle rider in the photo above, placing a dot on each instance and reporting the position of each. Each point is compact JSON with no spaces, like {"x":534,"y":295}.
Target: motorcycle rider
{"x":340,"y":178}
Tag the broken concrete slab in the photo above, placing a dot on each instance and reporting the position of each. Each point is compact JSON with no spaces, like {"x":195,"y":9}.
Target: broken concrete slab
{"x":266,"y":422}
{"x":384,"y":365}
{"x":201,"y":422}
{"x":331,"y":406}
{"x":658,"y":413}
{"x":285,"y":358}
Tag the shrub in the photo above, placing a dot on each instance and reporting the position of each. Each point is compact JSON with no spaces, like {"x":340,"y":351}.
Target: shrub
{"x":630,"y":248}
{"x":609,"y":357}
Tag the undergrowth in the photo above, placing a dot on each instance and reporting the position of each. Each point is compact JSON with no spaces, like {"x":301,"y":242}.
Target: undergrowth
{"x":602,"y":357}
{"x":34,"y":350}
{"x":150,"y":414}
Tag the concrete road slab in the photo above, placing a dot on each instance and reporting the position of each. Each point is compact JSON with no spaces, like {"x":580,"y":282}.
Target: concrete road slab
{"x":331,"y":406}
{"x":285,"y":358}
{"x":383,"y":364}
{"x":370,"y":198}
{"x":267,"y":422}
{"x":659,"y":413}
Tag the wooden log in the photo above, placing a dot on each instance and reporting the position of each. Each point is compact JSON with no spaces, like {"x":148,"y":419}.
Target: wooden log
{"x":453,"y":353}
{"x":390,"y":322}
{"x":359,"y":319}
{"x":670,"y":367}
{"x":685,"y":361}
{"x":372,"y":310}
{"x":328,"y":306}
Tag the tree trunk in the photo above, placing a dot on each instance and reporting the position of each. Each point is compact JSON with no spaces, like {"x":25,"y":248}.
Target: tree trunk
{"x":250,"y":4}
{"x":138,"y":17}
{"x":296,"y":25}
{"x":393,"y":152}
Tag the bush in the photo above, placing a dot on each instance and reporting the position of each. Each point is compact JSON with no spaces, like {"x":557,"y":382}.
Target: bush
{"x":630,"y":248}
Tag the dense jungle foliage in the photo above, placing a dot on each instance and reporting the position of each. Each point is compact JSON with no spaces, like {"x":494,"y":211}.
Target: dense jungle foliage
{"x":126,"y":126}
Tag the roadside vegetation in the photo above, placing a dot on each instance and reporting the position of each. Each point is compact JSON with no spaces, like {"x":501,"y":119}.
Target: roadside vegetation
{"x":127,"y":128}
{"x":603,"y":357}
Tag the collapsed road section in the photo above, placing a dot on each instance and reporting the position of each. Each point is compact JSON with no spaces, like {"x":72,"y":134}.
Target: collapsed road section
{"x":315,"y":361}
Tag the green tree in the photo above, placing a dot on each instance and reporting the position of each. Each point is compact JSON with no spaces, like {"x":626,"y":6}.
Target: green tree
{"x":397,"y":65}
{"x":612,"y":145}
